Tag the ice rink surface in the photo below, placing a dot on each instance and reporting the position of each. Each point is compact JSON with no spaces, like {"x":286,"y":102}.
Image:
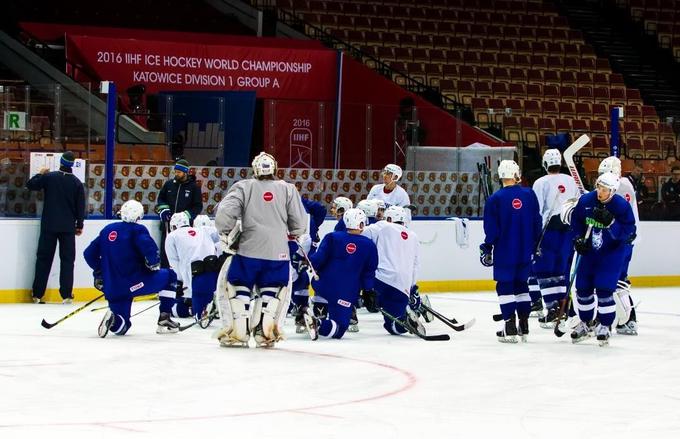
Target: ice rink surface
{"x":68,"y":383}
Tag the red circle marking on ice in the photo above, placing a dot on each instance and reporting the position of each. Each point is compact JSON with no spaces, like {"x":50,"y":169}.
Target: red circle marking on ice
{"x":404,"y":235}
{"x":561,"y":188}
{"x":268,"y":196}
{"x":192,"y":232}
{"x":351,"y":248}
{"x":113,"y":235}
{"x":627,"y":197}
{"x":517,"y":203}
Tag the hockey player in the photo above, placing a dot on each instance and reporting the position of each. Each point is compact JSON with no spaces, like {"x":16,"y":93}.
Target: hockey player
{"x":512,"y":225}
{"x":346,"y":263}
{"x":192,"y":255}
{"x":255,"y":296}
{"x":625,"y":312}
{"x":300,"y":279}
{"x":397,"y":271}
{"x":317,"y":215}
{"x":370,"y":209}
{"x":338,"y":208}
{"x":604,"y":225}
{"x":552,"y":260}
{"x":389,"y":191}
{"x":126,"y":264}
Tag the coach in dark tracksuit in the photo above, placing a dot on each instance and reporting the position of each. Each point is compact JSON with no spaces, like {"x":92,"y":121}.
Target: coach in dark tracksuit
{"x":62,"y":219}
{"x":181,"y":194}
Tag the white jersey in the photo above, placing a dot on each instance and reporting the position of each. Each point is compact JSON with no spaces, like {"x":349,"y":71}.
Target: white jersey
{"x":397,"y":197}
{"x":552,"y":191}
{"x":186,"y":245}
{"x":627,"y":191}
{"x":398,"y":249}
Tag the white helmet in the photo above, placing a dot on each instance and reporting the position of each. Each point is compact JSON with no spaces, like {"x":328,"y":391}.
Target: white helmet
{"x":178,"y":220}
{"x":551,"y":157}
{"x":131,"y":211}
{"x":610,"y":181}
{"x":370,"y":207}
{"x":394,"y":170}
{"x":396,"y":214}
{"x":264,"y":164}
{"x":203,"y":221}
{"x":610,"y":164}
{"x":355,"y":219}
{"x":380,"y":203}
{"x":509,"y":169}
{"x":343,"y":203}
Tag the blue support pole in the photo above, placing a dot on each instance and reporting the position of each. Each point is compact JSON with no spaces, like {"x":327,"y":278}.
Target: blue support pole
{"x":614,"y":147}
{"x":111,"y":100}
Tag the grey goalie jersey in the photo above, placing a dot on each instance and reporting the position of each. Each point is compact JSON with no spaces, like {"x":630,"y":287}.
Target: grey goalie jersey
{"x":269,"y":210}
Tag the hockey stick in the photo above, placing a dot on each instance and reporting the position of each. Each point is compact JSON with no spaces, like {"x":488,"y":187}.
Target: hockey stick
{"x":412,"y":330}
{"x":451,"y":323}
{"x":430,"y":241}
{"x":208,"y":317}
{"x":309,"y":263}
{"x":569,"y":160}
{"x":71,"y":314}
{"x":146,"y":309}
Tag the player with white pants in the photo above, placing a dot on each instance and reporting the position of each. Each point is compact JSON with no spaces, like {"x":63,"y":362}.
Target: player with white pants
{"x":192,"y":255}
{"x":626,"y":320}
{"x":254,"y":297}
{"x":398,"y":249}
{"x":550,"y":267}
{"x":389,"y":191}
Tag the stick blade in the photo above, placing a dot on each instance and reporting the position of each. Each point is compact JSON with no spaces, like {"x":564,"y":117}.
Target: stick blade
{"x":577,"y":145}
{"x":47,"y":325}
{"x":438,"y":337}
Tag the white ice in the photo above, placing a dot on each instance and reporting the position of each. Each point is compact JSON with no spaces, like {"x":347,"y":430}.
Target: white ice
{"x":66,"y":382}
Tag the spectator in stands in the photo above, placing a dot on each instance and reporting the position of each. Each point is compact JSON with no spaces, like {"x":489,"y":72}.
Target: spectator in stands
{"x":181,"y":194}
{"x":638,"y":182}
{"x":62,"y":220}
{"x":670,"y":194}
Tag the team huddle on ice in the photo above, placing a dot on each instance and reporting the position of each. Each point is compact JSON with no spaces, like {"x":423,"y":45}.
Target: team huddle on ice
{"x":256,"y":263}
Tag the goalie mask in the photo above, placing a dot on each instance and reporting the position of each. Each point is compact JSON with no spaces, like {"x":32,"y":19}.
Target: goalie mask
{"x":264,"y":164}
{"x":131,"y":211}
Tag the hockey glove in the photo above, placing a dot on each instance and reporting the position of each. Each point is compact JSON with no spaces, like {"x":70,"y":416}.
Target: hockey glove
{"x":603,"y":216}
{"x":486,"y":255}
{"x":370,"y":299}
{"x":582,"y":245}
{"x":165,"y":215}
{"x":152,"y":267}
{"x":98,"y":280}
{"x":414,"y":299}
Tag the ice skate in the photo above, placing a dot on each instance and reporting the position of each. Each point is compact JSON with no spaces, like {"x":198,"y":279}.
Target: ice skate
{"x":537,"y":309}
{"x":262,"y":341}
{"x":311,"y":324}
{"x":38,"y":300}
{"x":166,"y":325}
{"x":630,"y":328}
{"x":550,"y":319}
{"x":106,"y":324}
{"x":413,"y":321}
{"x":353,"y":321}
{"x":427,"y":316}
{"x":509,"y":333}
{"x":67,"y":301}
{"x":523,"y":328}
{"x":299,"y":314}
{"x":602,"y":332}
{"x":581,"y":332}
{"x":227,"y":340}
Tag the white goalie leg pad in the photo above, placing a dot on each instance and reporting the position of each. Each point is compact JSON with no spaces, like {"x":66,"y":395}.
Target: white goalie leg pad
{"x":623,"y":306}
{"x":233,"y":314}
{"x":270,"y":312}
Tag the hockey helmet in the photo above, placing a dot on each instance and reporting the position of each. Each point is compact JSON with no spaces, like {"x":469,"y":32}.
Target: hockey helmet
{"x":509,"y":169}
{"x":396,"y":214}
{"x":370,"y":207}
{"x":179,"y":219}
{"x":393,"y":169}
{"x":203,"y":221}
{"x":610,"y":164}
{"x":355,"y":219}
{"x":610,"y":181}
{"x":343,"y":203}
{"x":264,"y":164}
{"x":131,"y":211}
{"x":551,"y":157}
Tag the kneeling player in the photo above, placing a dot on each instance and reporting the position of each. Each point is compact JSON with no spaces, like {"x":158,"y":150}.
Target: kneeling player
{"x":346,"y":263}
{"x":126,"y":264}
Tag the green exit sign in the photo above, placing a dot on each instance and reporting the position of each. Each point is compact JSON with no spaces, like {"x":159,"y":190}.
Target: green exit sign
{"x":15,"y":121}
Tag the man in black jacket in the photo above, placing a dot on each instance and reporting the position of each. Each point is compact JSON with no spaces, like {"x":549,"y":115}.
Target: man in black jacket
{"x":62,"y":220}
{"x":181,"y":194}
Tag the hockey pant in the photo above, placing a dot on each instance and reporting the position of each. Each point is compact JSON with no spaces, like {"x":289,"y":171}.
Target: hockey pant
{"x":202,"y":290}
{"x":338,"y":313}
{"x":394,"y":302}
{"x":548,"y":270}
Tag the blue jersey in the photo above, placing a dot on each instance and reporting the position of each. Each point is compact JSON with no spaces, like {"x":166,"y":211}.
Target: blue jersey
{"x":340,"y":226}
{"x":613,"y":238}
{"x":121,"y":253}
{"x":317,"y":213}
{"x":345,"y":264}
{"x":512,"y":224}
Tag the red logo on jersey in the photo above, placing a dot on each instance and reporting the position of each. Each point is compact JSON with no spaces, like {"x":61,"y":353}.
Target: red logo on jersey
{"x":268,"y":196}
{"x":517,"y":203}
{"x":191,"y":232}
{"x":113,"y":235}
{"x":351,"y":248}
{"x":404,"y":235}
{"x":561,"y":188}
{"x":627,"y":197}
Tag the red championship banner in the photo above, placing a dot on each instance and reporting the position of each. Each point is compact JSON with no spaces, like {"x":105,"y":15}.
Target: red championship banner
{"x":279,"y":73}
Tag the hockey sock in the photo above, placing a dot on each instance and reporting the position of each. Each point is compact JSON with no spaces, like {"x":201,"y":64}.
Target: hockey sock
{"x":523,"y":301}
{"x":606,"y":307}
{"x":586,"y":307}
{"x":328,"y":329}
{"x":119,"y":326}
{"x":534,"y":289}
{"x":181,"y":309}
{"x":166,"y":304}
{"x":199,"y":302}
{"x":506,"y":299}
{"x":553,"y":289}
